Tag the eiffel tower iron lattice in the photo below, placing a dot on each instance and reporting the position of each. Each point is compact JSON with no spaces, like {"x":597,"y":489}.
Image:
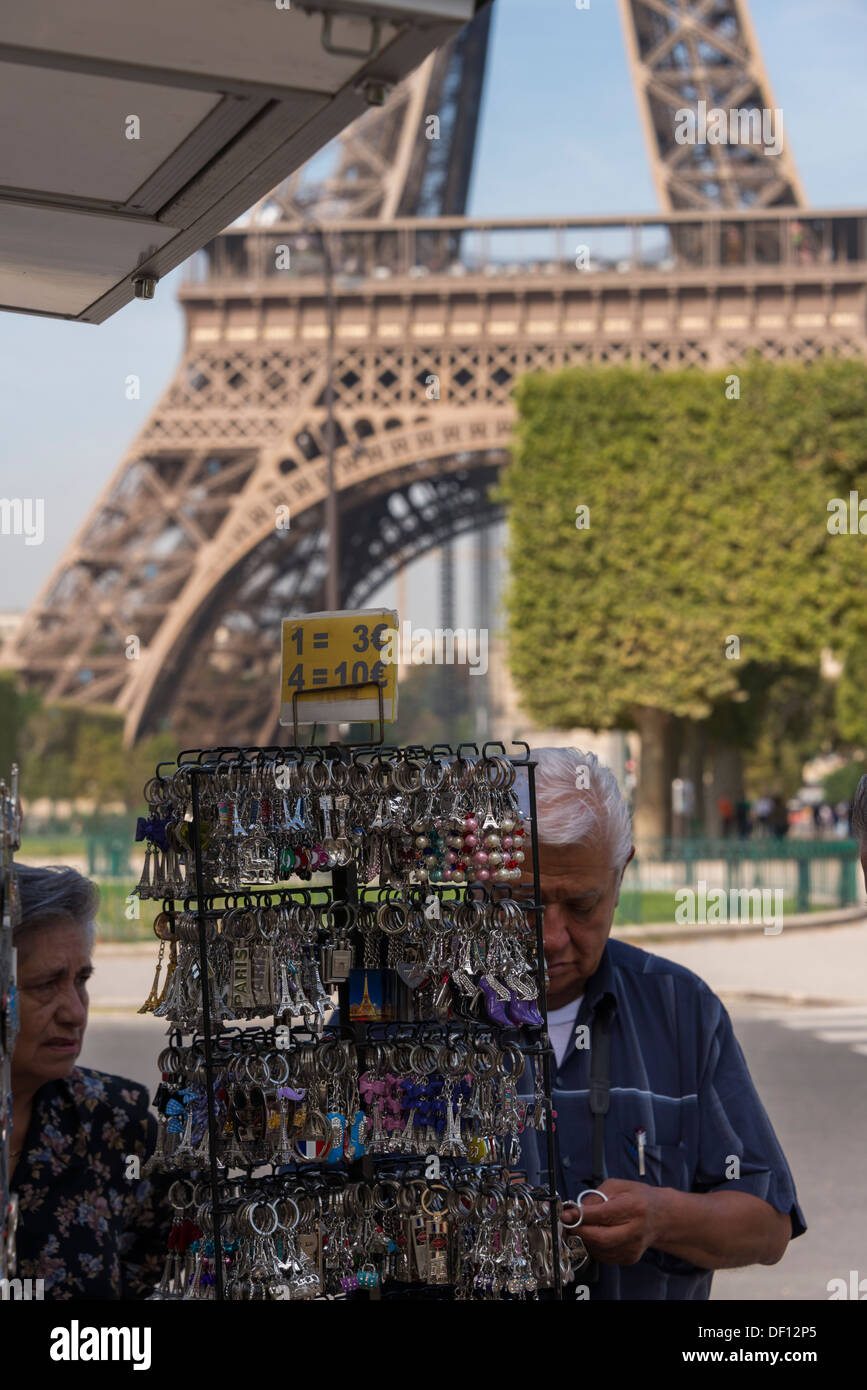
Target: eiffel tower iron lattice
{"x":684,"y":53}
{"x":436,"y":315}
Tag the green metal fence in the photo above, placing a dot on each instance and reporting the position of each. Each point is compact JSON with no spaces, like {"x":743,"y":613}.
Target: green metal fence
{"x":812,"y":874}
{"x":108,"y":856}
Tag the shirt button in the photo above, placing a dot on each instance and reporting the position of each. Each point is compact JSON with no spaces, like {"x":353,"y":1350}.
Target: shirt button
{"x":567,"y":1162}
{"x":558,"y":1081}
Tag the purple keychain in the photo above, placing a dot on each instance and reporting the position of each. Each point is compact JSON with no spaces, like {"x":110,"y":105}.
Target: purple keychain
{"x":523,"y":1012}
{"x":495,"y":1003}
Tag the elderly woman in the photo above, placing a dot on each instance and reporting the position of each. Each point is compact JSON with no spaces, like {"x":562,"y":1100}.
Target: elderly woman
{"x":88,"y":1225}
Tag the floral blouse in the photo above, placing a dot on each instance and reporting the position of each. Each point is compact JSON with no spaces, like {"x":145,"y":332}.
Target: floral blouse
{"x":84,"y":1227}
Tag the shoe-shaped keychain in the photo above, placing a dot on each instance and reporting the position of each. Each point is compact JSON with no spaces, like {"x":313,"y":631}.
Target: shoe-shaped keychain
{"x":495,"y":1003}
{"x":523,"y":1012}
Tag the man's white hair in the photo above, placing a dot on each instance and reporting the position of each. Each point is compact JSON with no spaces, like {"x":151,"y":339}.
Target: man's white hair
{"x":578,"y":801}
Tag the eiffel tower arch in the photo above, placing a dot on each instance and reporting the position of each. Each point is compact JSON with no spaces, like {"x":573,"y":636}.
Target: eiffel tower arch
{"x":212,"y":528}
{"x":408,"y":480}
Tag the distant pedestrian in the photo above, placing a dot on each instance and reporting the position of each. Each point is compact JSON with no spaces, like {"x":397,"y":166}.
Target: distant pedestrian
{"x":726,"y":814}
{"x":827,"y":820}
{"x":843,"y":811}
{"x":779,"y":819}
{"x":742,"y":816}
{"x":764,"y":807}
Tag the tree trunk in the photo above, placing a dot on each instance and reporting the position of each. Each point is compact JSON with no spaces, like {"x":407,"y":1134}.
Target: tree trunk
{"x":693,"y":768}
{"x":727,"y":770}
{"x":652,"y":818}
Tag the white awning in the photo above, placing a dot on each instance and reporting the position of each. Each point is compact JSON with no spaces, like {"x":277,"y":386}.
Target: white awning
{"x":133,"y":132}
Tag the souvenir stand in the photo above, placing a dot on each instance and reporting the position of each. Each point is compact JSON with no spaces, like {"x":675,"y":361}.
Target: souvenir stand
{"x":10,"y":839}
{"x":376,"y":1151}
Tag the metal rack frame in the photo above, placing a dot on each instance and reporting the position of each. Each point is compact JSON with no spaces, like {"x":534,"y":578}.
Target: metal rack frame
{"x":344,"y":887}
{"x":10,"y":830}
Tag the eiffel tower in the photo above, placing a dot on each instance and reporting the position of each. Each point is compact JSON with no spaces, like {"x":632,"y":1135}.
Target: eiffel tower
{"x":434,"y":316}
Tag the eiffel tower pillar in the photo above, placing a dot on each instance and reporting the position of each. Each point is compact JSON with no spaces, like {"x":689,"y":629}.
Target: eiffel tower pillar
{"x":704,"y":51}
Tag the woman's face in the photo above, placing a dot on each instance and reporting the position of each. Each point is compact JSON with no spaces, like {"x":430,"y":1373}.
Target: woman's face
{"x":53,"y":969}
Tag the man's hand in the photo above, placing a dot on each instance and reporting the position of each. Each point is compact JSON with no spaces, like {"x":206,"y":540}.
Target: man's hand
{"x":713,"y":1230}
{"x":618,"y":1232}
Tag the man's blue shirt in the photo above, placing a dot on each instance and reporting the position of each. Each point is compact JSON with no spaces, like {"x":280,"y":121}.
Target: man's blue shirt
{"x":678,"y":1072}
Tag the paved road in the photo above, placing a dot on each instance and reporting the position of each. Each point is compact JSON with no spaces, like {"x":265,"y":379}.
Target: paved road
{"x":815,"y":1092}
{"x":126,"y":1044}
{"x":820,"y":965}
{"x":814,"y":1088}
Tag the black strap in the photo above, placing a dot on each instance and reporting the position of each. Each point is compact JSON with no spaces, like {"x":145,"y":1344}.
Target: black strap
{"x":600,"y":1081}
{"x":600,"y":1096}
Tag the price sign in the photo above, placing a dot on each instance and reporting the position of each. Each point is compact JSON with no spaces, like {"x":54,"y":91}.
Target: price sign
{"x":334,"y":661}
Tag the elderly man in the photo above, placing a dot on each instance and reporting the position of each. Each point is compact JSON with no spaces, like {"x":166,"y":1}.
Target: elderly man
{"x":655,"y":1104}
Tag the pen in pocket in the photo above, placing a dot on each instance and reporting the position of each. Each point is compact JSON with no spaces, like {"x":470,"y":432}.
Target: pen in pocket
{"x":641,"y":1140}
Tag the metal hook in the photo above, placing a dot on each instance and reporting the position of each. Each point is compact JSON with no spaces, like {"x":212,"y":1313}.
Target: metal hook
{"x":468,"y":745}
{"x":493,"y":743}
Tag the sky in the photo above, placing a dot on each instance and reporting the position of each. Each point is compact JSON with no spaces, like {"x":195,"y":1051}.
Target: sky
{"x":559,"y":134}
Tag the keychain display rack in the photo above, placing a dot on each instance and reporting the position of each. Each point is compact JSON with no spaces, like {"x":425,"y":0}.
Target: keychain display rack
{"x":10,"y":840}
{"x":376,"y":1151}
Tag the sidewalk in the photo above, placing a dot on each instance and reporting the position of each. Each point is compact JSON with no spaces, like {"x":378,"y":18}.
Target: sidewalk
{"x":123,"y":974}
{"x":824,"y":964}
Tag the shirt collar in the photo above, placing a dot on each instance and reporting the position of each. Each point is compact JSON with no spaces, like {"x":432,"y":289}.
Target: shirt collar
{"x":601,"y":983}
{"x":58,"y":1092}
{"x":597,"y":988}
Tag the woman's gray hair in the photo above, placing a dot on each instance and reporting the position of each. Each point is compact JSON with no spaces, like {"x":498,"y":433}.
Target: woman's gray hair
{"x":859,"y":811}
{"x":579,"y":801}
{"x":55,"y":894}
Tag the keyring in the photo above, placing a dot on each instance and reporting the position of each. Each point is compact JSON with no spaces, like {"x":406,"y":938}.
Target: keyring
{"x":164,"y":929}
{"x":283,"y":1075}
{"x":286,"y":1200}
{"x":434,"y":1187}
{"x":588,"y":1192}
{"x":268,"y":1206}
{"x":591,"y":1192}
{"x":182,"y":1202}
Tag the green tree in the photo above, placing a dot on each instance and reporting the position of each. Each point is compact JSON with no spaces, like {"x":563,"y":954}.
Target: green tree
{"x":786,"y":717}
{"x":16,"y":707}
{"x":140,"y":763}
{"x":850,"y":703}
{"x":71,"y":751}
{"x":840,"y":785}
{"x":707,"y":523}
{"x":434,"y":706}
{"x":48,"y":746}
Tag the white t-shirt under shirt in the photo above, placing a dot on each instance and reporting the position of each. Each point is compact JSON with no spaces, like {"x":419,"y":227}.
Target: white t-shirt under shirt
{"x":561,"y":1026}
